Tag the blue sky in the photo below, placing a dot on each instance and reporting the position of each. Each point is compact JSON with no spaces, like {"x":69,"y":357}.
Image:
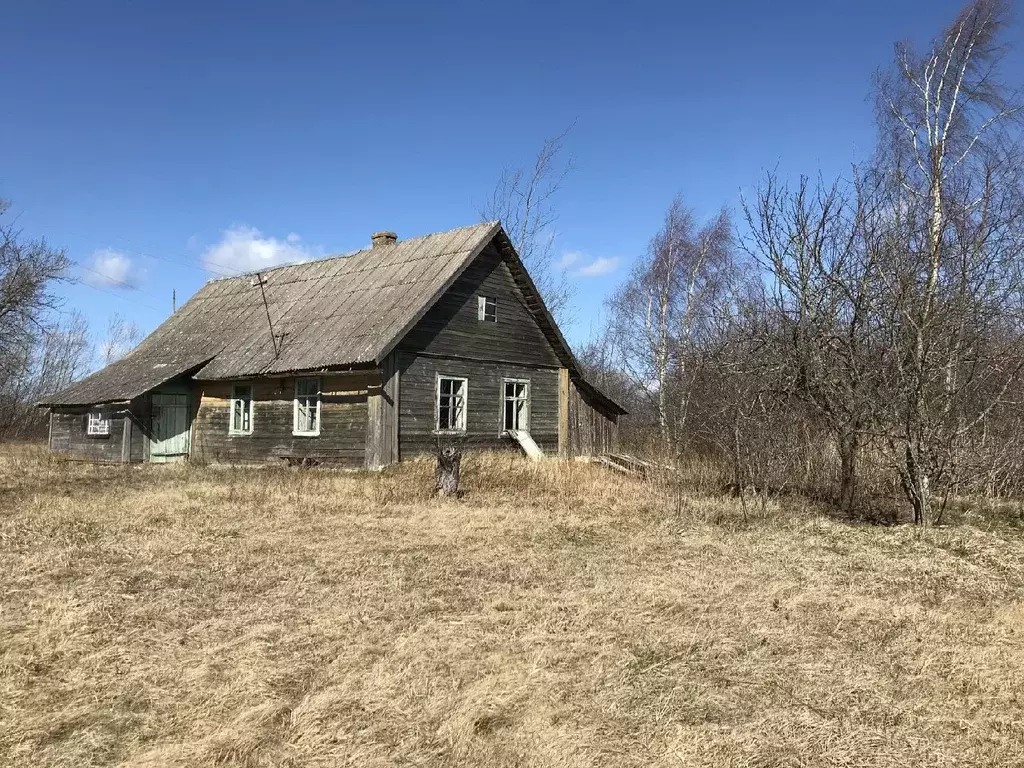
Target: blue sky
{"x":148,"y":137}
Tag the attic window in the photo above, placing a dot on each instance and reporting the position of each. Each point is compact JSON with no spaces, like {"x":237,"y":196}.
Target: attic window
{"x":487,"y":309}
{"x":98,"y":424}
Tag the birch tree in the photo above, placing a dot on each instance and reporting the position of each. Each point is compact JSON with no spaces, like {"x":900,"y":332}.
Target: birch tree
{"x":949,"y":147}
{"x":660,"y":314}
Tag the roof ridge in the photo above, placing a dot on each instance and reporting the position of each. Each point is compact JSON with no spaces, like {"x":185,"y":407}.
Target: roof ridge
{"x":332,"y":321}
{"x":348,"y":255}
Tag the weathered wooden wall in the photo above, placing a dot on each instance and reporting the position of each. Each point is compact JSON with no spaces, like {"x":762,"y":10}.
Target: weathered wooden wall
{"x":591,"y":431}
{"x":451,"y":328}
{"x":68,"y":436}
{"x":451,"y":340}
{"x":484,"y":402}
{"x":125,"y":443}
{"x":141,"y":410}
{"x":382,"y":444}
{"x":343,"y":422}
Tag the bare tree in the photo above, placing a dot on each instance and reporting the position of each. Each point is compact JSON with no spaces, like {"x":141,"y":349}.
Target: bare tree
{"x":28,"y":335}
{"x":122,"y":336}
{"x":814,"y":243}
{"x":880,"y":324}
{"x":949,"y":148}
{"x":28,"y":271}
{"x":709,"y":278}
{"x":663,"y":311}
{"x":55,"y":358}
{"x":524,"y":201}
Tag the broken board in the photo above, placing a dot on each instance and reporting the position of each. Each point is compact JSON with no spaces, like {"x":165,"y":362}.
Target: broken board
{"x":526,"y":442}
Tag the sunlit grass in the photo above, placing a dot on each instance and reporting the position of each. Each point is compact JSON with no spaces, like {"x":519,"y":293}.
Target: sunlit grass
{"x":557,"y":614}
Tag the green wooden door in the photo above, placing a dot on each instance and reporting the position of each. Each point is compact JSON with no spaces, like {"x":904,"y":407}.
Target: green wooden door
{"x":171,"y":427}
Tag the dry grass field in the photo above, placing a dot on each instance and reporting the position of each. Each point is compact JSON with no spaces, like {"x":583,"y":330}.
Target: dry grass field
{"x":557,"y":615}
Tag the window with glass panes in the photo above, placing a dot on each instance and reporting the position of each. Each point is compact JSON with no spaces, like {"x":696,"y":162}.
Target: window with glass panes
{"x":241,"y":409}
{"x":98,"y":424}
{"x":516,"y":405}
{"x":487,"y":309}
{"x":451,"y":404}
{"x":307,"y":407}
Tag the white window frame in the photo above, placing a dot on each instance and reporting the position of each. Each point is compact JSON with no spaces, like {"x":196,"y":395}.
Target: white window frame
{"x":481,"y":309}
{"x":97,"y":423}
{"x":460,"y":427}
{"x":232,"y":430}
{"x":295,"y":408}
{"x":503,"y":431}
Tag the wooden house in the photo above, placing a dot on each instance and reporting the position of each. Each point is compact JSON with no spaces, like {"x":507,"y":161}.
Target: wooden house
{"x":357,"y":360}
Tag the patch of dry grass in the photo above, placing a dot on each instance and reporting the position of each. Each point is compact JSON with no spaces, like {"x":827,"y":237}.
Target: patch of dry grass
{"x":558,"y":615}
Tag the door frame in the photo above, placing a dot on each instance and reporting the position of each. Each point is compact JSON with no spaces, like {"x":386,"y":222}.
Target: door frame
{"x":171,"y":389}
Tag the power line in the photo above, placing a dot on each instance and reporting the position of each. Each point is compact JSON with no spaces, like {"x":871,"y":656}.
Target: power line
{"x":204,"y":266}
{"x":115,"y":280}
{"x":120,"y":296}
{"x":127,"y":285}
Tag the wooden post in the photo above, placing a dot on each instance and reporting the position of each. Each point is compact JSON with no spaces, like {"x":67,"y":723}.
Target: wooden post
{"x":563,"y":412}
{"x":395,"y":456}
{"x":126,"y":437}
{"x":382,"y":418}
{"x":375,"y":426}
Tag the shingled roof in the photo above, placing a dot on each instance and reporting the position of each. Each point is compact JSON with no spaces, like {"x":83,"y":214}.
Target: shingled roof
{"x":330,"y":313}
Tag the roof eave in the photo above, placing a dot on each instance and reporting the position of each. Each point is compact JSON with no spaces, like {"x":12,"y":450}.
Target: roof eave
{"x":609,"y":404}
{"x":54,"y":404}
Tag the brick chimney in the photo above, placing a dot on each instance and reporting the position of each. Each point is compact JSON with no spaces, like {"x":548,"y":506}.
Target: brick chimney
{"x":383,"y":238}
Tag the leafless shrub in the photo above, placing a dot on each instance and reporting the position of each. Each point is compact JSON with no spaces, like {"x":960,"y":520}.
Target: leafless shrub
{"x":868,"y":338}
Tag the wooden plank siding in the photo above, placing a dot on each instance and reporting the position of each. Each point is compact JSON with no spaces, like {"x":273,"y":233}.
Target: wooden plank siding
{"x":343,"y":422}
{"x":451,"y":340}
{"x":451,"y":329}
{"x":125,"y":443}
{"x":142,"y":411}
{"x":592,"y":431}
{"x":68,"y":436}
{"x":382,"y":417}
{"x":564,"y":433}
{"x":484,"y":402}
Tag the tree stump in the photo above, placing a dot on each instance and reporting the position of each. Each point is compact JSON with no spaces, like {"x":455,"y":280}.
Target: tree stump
{"x":449,"y":463}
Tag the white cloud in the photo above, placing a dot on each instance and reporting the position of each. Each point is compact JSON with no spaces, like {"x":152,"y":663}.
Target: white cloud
{"x":112,"y":268}
{"x":598,"y":267}
{"x":569,"y":258}
{"x":579,"y":264}
{"x":245,"y":249}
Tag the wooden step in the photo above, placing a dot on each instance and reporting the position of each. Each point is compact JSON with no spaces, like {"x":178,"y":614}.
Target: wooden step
{"x":527,"y":443}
